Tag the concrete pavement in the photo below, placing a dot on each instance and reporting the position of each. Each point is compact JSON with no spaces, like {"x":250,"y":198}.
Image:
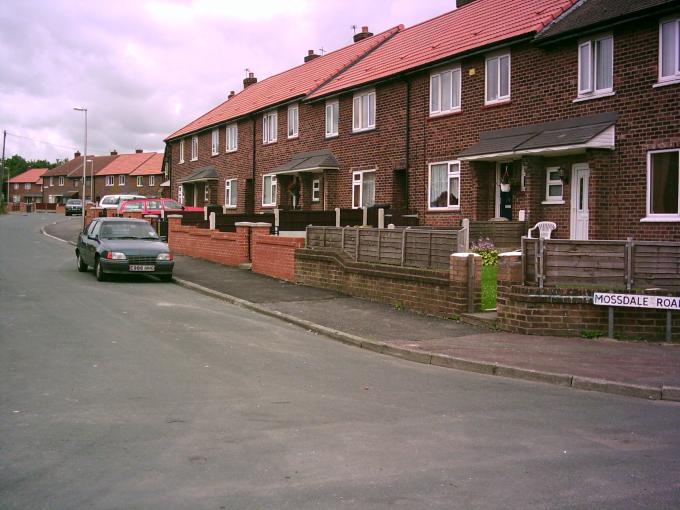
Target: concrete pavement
{"x":638,"y":369}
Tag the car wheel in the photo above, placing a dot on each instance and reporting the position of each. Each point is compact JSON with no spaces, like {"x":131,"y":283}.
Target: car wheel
{"x":82,"y":266}
{"x":98,"y":272}
{"x":165,"y":277}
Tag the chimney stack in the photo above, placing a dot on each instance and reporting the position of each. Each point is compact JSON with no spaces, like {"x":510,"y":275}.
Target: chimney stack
{"x":76,"y":154}
{"x":461,"y":3}
{"x":250,"y":80}
{"x":231,"y":94}
{"x":139,"y":151}
{"x":311,"y":56}
{"x":114,"y":152}
{"x":364,"y":34}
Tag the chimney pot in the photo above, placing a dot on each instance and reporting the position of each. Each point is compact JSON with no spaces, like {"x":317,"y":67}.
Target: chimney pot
{"x":250,"y":80}
{"x":231,"y":94}
{"x":114,"y":152}
{"x":139,"y":151}
{"x":77,"y":154}
{"x":364,"y":34}
{"x":311,"y":55}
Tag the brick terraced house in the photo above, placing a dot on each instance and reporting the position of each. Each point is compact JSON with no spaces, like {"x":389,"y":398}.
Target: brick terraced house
{"x":27,"y":186}
{"x":138,"y":173}
{"x":66,"y":181}
{"x":555,"y":110}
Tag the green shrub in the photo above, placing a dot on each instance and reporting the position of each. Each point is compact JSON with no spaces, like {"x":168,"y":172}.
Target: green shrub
{"x":487,"y":250}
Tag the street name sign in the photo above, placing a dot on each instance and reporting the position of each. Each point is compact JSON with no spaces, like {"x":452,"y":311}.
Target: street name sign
{"x":636,"y":301}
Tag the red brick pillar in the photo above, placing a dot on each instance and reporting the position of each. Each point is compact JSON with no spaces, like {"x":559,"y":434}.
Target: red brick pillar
{"x":243,"y":234}
{"x":465,"y":277}
{"x":509,"y":274}
{"x":174,"y":222}
{"x":257,"y":230}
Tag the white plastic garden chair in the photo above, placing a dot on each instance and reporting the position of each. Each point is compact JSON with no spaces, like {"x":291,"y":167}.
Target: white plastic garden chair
{"x":545,"y":229}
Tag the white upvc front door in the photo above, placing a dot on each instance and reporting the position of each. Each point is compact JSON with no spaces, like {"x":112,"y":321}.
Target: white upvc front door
{"x":580,"y":216}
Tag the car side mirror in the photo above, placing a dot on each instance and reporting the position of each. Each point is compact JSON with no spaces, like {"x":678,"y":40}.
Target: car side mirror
{"x":94,"y":238}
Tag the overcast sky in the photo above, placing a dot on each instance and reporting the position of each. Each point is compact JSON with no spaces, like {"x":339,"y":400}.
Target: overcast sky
{"x":144,"y":68}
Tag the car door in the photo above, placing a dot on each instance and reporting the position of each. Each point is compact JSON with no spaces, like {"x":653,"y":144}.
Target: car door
{"x":92,"y":242}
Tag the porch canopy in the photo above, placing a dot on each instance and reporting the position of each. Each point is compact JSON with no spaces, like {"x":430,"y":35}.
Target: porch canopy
{"x":206,"y":173}
{"x":559,"y":138}
{"x":315,"y":161}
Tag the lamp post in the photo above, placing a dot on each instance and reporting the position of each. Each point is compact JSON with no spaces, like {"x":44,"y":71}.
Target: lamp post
{"x":84,"y":164}
{"x":91,"y":162}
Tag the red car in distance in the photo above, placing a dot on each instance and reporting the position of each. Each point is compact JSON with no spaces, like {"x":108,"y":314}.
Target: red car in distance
{"x":154,"y":206}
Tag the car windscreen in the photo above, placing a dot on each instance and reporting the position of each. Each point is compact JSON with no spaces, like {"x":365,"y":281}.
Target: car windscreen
{"x":134,"y":206}
{"x":74,"y":201}
{"x":110,"y":200}
{"x":171,"y":204}
{"x":127,"y":230}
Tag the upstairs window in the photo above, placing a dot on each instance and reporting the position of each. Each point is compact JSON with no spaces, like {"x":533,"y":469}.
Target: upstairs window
{"x":497,"y":79}
{"x":232,"y":137}
{"x":109,"y":180}
{"x":215,"y":148}
{"x":230,"y":193}
{"x":269,"y":190}
{"x":445,"y":92}
{"x":596,"y":66}
{"x":293,"y":121}
{"x":181,"y":151}
{"x":332,"y":118}
{"x":269,"y":127}
{"x":121,"y":180}
{"x":669,"y":50}
{"x":61,"y":180}
{"x":363,"y":113}
{"x":16,"y":185}
{"x":27,"y":185}
{"x":444,"y":188}
{"x":194,"y":148}
{"x":663,"y":185}
{"x":51,"y":181}
{"x":140,"y":181}
{"x":363,"y":189}
{"x":152,"y":180}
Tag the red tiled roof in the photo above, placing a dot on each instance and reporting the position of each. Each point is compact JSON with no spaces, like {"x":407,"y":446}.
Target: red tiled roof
{"x":99,"y":162}
{"x":32,"y":175}
{"x":475,"y":25}
{"x":295,"y":82}
{"x":125,"y":163}
{"x":152,"y":166}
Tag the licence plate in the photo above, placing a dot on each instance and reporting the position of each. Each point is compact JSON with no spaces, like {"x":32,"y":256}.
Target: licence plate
{"x":134,"y":267}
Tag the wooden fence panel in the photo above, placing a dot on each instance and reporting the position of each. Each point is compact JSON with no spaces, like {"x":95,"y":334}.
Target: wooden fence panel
{"x":656,"y":265}
{"x":504,"y":234}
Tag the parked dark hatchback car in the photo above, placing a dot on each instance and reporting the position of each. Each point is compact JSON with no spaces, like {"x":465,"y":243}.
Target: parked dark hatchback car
{"x":123,"y":246}
{"x":73,"y":206}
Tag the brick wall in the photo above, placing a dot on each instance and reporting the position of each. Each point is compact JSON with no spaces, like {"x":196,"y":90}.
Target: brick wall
{"x":425,"y":291}
{"x":569,"y":312}
{"x":229,"y":248}
{"x":273,"y":255}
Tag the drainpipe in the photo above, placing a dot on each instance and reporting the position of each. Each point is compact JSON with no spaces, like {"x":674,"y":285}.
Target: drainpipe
{"x":408,"y":142}
{"x":254,"y":162}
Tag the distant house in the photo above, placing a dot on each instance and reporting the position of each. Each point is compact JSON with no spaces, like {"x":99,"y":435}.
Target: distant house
{"x":27,"y":186}
{"x":137,"y":173}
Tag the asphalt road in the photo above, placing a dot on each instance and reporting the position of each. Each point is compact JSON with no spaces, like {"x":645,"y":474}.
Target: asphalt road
{"x":141,"y":394}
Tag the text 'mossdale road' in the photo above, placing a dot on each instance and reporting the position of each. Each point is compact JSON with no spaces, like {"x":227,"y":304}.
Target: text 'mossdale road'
{"x":636,"y":301}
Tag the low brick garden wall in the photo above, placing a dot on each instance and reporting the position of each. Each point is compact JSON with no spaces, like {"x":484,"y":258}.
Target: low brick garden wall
{"x":569,"y":311}
{"x":275,"y":256}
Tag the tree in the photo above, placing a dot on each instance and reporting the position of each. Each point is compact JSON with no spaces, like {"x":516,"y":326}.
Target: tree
{"x":15,"y":165}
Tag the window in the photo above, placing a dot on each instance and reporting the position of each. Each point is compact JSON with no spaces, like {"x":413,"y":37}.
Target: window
{"x":445,"y":91}
{"x":669,"y":50}
{"x":232,"y":137}
{"x":16,"y":199}
{"x":206,"y":192}
{"x":553,"y":185}
{"x":16,"y":185}
{"x":27,"y":185}
{"x":269,"y":190}
{"x":363,"y":111}
{"x":140,"y":181}
{"x":269,"y":127}
{"x":181,"y":151}
{"x":180,"y":194}
{"x":332,"y":117}
{"x":194,"y":148}
{"x":109,"y":180}
{"x":121,"y":180}
{"x":363,"y":189}
{"x":316,"y":190}
{"x":152,"y":180}
{"x":166,"y":170}
{"x":51,"y":181}
{"x":596,"y":66}
{"x":61,"y":180}
{"x":444,"y":185}
{"x":497,"y":78}
{"x":293,"y":121}
{"x":230,"y":193}
{"x":663,"y":185}
{"x":215,"y":142}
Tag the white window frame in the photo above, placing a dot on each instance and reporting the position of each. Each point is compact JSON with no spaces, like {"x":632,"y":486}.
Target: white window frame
{"x":109,"y":180}
{"x":294,"y":120}
{"x":592,"y":88}
{"x":206,"y":191}
{"x":194,"y":148}
{"x":664,"y":216}
{"x":453,"y":171}
{"x":332,"y":118}
{"x":51,"y":181}
{"x":231,"y":138}
{"x":152,"y":180}
{"x":553,"y":182}
{"x":270,"y":127}
{"x":27,"y":185}
{"x":675,"y":77}
{"x":316,"y":190}
{"x":16,"y":185}
{"x":121,"y":180}
{"x":61,"y":180}
{"x":437,"y":91}
{"x":359,"y":123}
{"x":358,"y":181}
{"x":273,"y":184}
{"x":215,"y":147}
{"x":180,"y":194}
{"x":166,"y":170}
{"x":181,"y":151}
{"x":140,"y":181}
{"x":230,"y":193}
{"x":501,"y":98}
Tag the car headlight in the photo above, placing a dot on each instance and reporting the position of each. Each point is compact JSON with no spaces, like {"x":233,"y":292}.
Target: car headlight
{"x":116,"y":255}
{"x":164,"y":256}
